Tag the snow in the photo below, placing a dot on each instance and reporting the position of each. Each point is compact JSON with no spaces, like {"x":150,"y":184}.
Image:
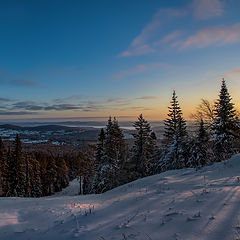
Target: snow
{"x":179,"y":204}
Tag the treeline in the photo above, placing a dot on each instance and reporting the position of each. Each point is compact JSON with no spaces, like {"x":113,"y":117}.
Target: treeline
{"x":112,"y":162}
{"x":216,"y":139}
{"x":39,"y":173}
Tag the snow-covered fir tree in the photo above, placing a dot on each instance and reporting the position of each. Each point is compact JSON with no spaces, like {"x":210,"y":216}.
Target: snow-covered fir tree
{"x":3,"y":170}
{"x":175,"y":154}
{"x":144,"y":146}
{"x":200,"y":150}
{"x":225,"y":126}
{"x":107,"y":175}
{"x":16,"y":170}
{"x":174,"y":122}
{"x":61,"y":174}
{"x":85,"y":172}
{"x":35,"y":176}
{"x":88,"y":174}
{"x":28,"y":172}
{"x":99,"y":148}
{"x":50,"y":175}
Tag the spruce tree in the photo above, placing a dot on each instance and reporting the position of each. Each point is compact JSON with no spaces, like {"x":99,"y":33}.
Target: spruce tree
{"x":175,"y":154}
{"x":21,"y":167}
{"x":118,"y":143}
{"x":50,"y":175}
{"x":200,"y":151}
{"x":88,"y":172}
{"x":16,"y":173}
{"x":107,"y":173}
{"x":99,"y":148}
{"x":61,"y":174}
{"x":3,"y":170}
{"x":109,"y":143}
{"x":28,"y":172}
{"x":11,"y":175}
{"x":144,"y":145}
{"x":225,"y":126}
{"x":174,"y":124}
{"x":35,"y":176}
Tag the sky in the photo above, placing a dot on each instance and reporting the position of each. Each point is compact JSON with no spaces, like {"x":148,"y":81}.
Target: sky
{"x":67,"y":59}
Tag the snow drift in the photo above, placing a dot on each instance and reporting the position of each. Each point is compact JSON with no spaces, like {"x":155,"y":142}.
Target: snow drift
{"x":180,"y":204}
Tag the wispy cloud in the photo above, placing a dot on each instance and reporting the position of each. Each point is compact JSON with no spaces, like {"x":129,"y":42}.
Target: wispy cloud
{"x":51,"y":106}
{"x":206,"y":9}
{"x":169,"y":37}
{"x":141,"y":50}
{"x":147,"y":97}
{"x":27,"y":105}
{"x":70,"y":98}
{"x":151,"y":36}
{"x":18,"y":108}
{"x":152,"y":28}
{"x":12,"y":113}
{"x":63,"y":107}
{"x":138,"y":69}
{"x":5,"y":99}
{"x":129,"y":72}
{"x":139,"y":45}
{"x":212,"y":36}
{"x":115,"y":99}
{"x":232,"y":73}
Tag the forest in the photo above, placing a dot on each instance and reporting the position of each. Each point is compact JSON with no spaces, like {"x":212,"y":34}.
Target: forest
{"x":112,"y":162}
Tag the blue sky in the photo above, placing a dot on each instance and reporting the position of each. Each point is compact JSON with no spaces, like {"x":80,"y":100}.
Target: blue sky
{"x":123,"y":58}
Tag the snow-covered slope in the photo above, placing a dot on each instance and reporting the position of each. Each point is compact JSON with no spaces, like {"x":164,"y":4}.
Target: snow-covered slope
{"x":181,"y":204}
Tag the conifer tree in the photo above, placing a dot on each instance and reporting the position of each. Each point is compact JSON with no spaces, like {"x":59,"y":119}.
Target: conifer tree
{"x":144,"y":145}
{"x":16,"y":170}
{"x":107,"y":175}
{"x":175,"y":124}
{"x":20,"y":166}
{"x":28,"y":172}
{"x":225,"y":126}
{"x":61,"y":174}
{"x":175,"y":154}
{"x":35,"y":176}
{"x":109,"y":143}
{"x":3,"y":170}
{"x":99,"y":149}
{"x":118,"y":143}
{"x":200,"y":152}
{"x":88,"y":172}
{"x":50,"y":175}
{"x":11,"y":173}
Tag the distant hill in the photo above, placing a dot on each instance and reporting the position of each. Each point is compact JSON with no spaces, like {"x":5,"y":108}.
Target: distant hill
{"x":41,"y":128}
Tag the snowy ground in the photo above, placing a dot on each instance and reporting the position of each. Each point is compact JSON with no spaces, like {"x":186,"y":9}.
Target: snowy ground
{"x":182,"y":204}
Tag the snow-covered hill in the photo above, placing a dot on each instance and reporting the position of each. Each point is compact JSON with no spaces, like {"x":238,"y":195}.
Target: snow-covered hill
{"x":181,"y":204}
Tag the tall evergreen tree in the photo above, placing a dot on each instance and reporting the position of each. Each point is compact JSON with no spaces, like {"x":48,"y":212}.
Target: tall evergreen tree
{"x":16,"y":170}
{"x":144,"y":145}
{"x":20,"y":166}
{"x":28,"y":172}
{"x":3,"y":170}
{"x":35,"y":176}
{"x":50,"y":175}
{"x":106,"y":177}
{"x":175,"y":154}
{"x":118,"y":143}
{"x":99,"y":149}
{"x":175,"y":124}
{"x":200,"y":151}
{"x":225,"y":126}
{"x":61,"y":174}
